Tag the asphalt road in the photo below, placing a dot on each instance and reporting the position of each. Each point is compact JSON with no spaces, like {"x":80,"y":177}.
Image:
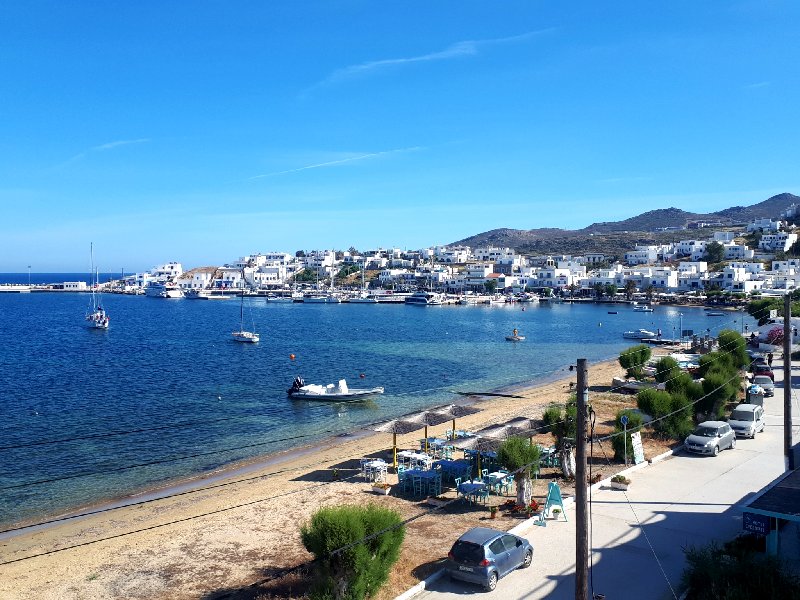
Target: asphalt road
{"x":637,"y":537}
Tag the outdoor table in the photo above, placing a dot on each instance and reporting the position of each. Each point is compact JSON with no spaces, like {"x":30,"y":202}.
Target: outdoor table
{"x":494,"y":480}
{"x":453,"y":468}
{"x":471,"y":489}
{"x":429,"y":479}
{"x":374,"y":468}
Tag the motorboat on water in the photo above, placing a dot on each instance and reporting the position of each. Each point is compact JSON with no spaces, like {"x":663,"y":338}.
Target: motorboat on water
{"x":423,"y":298}
{"x":643,"y":308}
{"x":515,"y":338}
{"x":639,"y":334}
{"x":321,"y":299}
{"x":339,"y":392}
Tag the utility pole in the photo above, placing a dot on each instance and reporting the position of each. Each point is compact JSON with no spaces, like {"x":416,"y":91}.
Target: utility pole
{"x":581,"y":505}
{"x":787,"y":382}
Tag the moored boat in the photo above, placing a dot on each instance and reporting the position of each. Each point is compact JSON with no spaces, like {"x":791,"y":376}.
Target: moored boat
{"x":639,"y":334}
{"x":424,"y":298}
{"x":339,"y":392}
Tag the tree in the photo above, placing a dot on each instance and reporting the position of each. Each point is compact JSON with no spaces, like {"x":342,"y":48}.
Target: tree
{"x":572,"y":288}
{"x":630,"y":289}
{"x":633,"y":359}
{"x":521,"y":458}
{"x":490,"y":286}
{"x":666,"y":368}
{"x":565,"y":432}
{"x":610,"y":290}
{"x":599,"y":289}
{"x":649,"y":291}
{"x":715,"y":252}
{"x":360,"y":569}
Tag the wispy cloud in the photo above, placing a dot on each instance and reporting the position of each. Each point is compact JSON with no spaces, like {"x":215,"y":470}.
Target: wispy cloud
{"x":760,"y":84}
{"x":333,"y":163}
{"x":457,"y":50}
{"x":102,"y":148}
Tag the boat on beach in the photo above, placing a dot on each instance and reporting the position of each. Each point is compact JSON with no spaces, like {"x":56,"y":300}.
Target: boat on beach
{"x":339,"y":392}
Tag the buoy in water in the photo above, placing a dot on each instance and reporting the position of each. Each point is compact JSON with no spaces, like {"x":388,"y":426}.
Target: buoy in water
{"x":362,"y":375}
{"x":291,"y":357}
{"x":599,"y":324}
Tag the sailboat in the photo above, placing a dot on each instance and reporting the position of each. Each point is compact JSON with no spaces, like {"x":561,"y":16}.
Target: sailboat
{"x":96,"y":316}
{"x":364,"y":297}
{"x":242,"y":335}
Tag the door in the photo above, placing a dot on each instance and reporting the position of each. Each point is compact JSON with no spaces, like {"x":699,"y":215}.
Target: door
{"x":501,"y":560}
{"x":515,"y":551}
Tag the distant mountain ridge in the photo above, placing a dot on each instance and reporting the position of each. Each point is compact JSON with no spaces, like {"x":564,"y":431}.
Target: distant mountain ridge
{"x":615,"y":237}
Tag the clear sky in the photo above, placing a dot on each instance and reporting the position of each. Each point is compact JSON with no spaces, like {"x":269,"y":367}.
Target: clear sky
{"x":200,"y":131}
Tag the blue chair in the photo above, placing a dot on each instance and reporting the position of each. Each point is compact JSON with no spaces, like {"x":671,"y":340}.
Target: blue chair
{"x":457,"y":482}
{"x":418,"y":485}
{"x":484,"y":474}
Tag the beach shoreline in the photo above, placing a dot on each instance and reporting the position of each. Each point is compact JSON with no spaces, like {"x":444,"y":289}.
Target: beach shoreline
{"x":222,"y":534}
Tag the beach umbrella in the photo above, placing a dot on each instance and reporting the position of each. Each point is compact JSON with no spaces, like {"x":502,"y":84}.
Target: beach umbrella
{"x":479,"y":443}
{"x":427,"y":417}
{"x":455,"y":411}
{"x":394,"y":427}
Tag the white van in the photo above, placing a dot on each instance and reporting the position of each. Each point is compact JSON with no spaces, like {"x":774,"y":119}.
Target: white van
{"x":746,"y":420}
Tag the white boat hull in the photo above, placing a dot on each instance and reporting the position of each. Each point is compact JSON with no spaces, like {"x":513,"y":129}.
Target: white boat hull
{"x":247,"y":337}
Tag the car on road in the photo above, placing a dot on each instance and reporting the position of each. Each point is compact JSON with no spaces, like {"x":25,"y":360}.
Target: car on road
{"x":765,"y":383}
{"x":762,"y":369}
{"x":483,"y":555}
{"x":710,"y":437}
{"x":747,"y":420}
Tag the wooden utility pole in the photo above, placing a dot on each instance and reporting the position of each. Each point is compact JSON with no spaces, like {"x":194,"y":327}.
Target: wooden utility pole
{"x":581,"y":505}
{"x":787,"y":382}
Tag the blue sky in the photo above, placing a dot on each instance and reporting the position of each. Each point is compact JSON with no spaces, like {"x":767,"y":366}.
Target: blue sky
{"x":201,"y":131}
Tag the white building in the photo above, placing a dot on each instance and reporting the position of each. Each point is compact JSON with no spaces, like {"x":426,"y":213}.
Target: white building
{"x":451,"y":255}
{"x":777,"y":242}
{"x":764,"y":225}
{"x":694,"y":249}
{"x":642,"y":255}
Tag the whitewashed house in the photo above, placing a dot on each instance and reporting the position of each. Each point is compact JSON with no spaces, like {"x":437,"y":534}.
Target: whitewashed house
{"x":777,"y":242}
{"x":765,"y":225}
{"x":642,"y":255}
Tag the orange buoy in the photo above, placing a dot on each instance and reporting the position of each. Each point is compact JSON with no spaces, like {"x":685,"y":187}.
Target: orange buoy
{"x":291,"y":357}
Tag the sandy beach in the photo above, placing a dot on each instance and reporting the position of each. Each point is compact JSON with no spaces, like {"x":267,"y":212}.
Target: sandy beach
{"x":244,"y":528}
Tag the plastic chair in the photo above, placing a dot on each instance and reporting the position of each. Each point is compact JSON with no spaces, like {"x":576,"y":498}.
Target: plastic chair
{"x":418,"y":485}
{"x":484,"y":473}
{"x":457,"y":483}
{"x":404,"y":481}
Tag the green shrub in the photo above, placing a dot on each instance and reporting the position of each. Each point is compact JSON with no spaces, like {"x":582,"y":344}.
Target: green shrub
{"x":736,"y":572}
{"x":618,"y":441}
{"x":732,"y":343}
{"x":634,"y":358}
{"x":552,"y":414}
{"x":718,"y":391}
{"x":359,"y":571}
{"x":666,"y":369}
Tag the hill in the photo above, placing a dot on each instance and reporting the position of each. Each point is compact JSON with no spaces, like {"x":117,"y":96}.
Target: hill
{"x":614,"y":238}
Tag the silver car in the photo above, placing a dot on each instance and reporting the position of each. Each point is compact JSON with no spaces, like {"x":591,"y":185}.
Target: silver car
{"x":766,"y":384}
{"x":710,"y":437}
{"x":747,"y":420}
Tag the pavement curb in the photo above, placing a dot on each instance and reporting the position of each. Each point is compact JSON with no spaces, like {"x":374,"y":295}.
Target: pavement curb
{"x":421,"y":586}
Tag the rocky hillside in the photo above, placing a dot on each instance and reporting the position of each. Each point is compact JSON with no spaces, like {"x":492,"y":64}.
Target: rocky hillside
{"x":615,"y":238}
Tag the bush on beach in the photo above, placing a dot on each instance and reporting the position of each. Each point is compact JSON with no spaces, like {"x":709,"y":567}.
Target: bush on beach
{"x":360,"y":570}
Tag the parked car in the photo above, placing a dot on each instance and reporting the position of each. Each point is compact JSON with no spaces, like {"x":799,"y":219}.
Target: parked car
{"x":757,"y":358}
{"x":710,"y":437}
{"x":765,"y":383}
{"x":747,"y":420}
{"x":483,"y":555}
{"x":762,"y":369}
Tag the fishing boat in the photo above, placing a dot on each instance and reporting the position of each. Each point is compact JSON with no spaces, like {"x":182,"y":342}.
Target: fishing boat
{"x":248,"y":337}
{"x":339,"y":392}
{"x":643,"y":308}
{"x":96,"y":316}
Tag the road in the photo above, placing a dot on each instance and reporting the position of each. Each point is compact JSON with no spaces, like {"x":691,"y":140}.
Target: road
{"x":637,"y":537}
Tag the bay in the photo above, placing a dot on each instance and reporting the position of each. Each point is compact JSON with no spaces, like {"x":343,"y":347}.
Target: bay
{"x":166,"y":388}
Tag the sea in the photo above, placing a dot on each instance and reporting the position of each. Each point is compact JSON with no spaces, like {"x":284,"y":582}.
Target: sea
{"x":165,"y":394}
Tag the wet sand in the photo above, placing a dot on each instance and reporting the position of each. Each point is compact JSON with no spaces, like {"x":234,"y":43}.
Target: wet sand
{"x":235,"y":527}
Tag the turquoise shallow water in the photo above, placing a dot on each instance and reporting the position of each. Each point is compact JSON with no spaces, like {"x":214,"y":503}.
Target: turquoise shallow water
{"x":166,"y":388}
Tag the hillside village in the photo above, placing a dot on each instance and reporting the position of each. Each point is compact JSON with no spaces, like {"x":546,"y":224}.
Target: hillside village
{"x":756,"y":257}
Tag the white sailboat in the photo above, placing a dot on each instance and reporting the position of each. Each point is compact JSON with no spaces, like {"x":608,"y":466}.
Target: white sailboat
{"x":242,"y":335}
{"x":96,"y":316}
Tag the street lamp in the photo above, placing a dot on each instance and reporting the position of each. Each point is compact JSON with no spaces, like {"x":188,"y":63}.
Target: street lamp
{"x":680,"y":314}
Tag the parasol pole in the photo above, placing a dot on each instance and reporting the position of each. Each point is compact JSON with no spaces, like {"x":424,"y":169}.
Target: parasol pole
{"x":454,"y":429}
{"x":426,"y":439}
{"x":394,"y":450}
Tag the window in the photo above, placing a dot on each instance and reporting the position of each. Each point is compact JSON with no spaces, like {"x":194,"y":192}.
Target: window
{"x":497,"y":546}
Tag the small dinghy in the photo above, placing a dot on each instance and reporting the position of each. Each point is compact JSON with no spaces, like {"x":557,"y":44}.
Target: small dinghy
{"x":329,"y":393}
{"x":515,"y":338}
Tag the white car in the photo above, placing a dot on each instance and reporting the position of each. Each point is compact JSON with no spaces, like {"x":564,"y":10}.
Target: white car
{"x":747,"y":420}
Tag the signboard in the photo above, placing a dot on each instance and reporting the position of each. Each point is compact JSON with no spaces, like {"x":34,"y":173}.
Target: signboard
{"x":754,"y":523}
{"x":638,"y":449}
{"x":624,"y":420}
{"x":773,"y":314}
{"x":687,"y":332}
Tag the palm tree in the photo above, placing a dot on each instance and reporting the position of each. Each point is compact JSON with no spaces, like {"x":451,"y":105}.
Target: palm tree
{"x":630,"y":289}
{"x":572,"y":287}
{"x":649,"y":291}
{"x":599,"y":290}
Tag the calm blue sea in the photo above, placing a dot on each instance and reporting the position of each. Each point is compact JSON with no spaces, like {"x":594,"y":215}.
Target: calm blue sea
{"x":171,"y":364}
{"x":44,"y":278}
